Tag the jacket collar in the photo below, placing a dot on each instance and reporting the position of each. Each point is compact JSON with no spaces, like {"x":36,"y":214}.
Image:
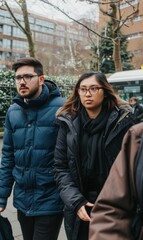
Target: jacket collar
{"x":49,"y":89}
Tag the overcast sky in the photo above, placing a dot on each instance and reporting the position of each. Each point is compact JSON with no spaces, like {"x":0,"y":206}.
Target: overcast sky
{"x":74,"y":8}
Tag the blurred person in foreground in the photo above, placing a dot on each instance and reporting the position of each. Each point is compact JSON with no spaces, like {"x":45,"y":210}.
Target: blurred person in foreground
{"x":28,"y":153}
{"x":118,"y":211}
{"x":137,"y":109}
{"x":92,"y":125}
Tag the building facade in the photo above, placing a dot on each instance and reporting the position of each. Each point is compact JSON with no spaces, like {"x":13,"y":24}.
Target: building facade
{"x":62,"y":47}
{"x":134,"y":32}
{"x":133,"y":28}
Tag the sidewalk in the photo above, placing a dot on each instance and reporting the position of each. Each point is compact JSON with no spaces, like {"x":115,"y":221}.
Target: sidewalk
{"x":11,"y":214}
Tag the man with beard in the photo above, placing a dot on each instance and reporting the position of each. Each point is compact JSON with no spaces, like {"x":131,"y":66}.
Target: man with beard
{"x":27,"y":153}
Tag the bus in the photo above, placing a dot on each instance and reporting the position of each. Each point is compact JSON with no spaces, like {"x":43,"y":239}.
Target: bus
{"x":128,"y":84}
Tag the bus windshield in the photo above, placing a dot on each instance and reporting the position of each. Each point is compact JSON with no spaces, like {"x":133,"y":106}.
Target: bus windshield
{"x":127,"y":84}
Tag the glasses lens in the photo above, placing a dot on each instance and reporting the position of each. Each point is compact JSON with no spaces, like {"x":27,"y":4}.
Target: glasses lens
{"x":82,"y":91}
{"x":91,"y":90}
{"x":27,"y":77}
{"x":18,"y":79}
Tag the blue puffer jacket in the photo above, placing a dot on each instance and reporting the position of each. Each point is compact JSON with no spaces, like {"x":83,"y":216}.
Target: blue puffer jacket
{"x":27,"y":154}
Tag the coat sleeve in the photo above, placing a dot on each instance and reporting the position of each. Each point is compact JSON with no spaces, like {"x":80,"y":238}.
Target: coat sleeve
{"x":112,"y":214}
{"x":140,"y":113}
{"x":7,"y":164}
{"x":65,"y":174}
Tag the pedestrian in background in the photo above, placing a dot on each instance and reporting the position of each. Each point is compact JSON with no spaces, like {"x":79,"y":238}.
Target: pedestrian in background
{"x":92,"y":125}
{"x":137,"y":109}
{"x":118,"y":211}
{"x":28,"y":153}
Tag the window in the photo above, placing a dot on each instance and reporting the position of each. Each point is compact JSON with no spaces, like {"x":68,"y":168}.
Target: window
{"x":17,"y":32}
{"x":45,"y":23}
{"x":60,"y":42}
{"x":136,"y":35}
{"x":132,"y":2}
{"x":6,"y":29}
{"x":1,"y":28}
{"x":20,"y":45}
{"x":135,"y":19}
{"x":6,"y":43}
{"x":44,"y":38}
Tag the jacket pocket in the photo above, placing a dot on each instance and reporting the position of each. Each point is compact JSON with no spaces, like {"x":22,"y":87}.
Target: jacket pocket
{"x":18,"y":174}
{"x":45,"y":177}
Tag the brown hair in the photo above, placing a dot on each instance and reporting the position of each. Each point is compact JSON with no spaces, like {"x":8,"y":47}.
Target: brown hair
{"x":29,"y":61}
{"x":134,"y":99}
{"x":73,"y":105}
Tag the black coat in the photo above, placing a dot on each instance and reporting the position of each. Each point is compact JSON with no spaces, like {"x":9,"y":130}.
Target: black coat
{"x":138,"y":113}
{"x":67,"y":169}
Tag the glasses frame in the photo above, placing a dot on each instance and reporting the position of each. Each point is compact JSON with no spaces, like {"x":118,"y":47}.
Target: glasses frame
{"x":28,"y":76}
{"x":89,"y":90}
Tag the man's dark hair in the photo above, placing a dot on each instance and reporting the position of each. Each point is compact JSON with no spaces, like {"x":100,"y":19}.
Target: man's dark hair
{"x":134,"y":98}
{"x":29,"y":61}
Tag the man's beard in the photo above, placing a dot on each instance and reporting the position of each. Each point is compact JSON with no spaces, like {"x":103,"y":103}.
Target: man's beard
{"x":32,"y":93}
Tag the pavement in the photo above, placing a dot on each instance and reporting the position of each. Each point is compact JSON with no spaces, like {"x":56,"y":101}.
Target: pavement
{"x":11,"y":213}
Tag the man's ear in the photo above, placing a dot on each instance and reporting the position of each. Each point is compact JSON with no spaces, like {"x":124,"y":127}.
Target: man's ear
{"x":41,"y":79}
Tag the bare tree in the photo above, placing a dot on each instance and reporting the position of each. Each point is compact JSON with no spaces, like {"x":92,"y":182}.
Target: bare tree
{"x":26,"y":29}
{"x":118,"y":18}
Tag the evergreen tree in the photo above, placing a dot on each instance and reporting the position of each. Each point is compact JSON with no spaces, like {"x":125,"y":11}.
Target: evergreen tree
{"x":106,"y":51}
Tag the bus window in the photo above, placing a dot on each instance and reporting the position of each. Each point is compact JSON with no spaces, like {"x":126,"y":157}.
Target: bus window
{"x":127,"y":84}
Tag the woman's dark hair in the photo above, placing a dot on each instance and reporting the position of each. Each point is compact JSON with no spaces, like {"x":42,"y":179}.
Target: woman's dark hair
{"x":29,"y":61}
{"x":73,"y":104}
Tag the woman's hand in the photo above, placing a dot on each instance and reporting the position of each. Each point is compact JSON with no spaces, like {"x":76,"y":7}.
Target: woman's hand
{"x":82,"y":213}
{"x":2,"y":209}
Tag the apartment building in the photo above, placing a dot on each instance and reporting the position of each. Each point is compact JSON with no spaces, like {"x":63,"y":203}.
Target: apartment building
{"x":133,"y":28}
{"x":134,"y":32}
{"x":62,"y":47}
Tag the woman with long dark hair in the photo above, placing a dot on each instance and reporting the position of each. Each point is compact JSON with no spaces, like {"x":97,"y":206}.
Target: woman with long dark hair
{"x":92,"y":123}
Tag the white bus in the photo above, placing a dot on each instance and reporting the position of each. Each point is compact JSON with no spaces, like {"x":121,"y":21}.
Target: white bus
{"x":128,"y":83}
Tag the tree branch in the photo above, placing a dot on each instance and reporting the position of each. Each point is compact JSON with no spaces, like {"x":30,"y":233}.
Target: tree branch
{"x":71,"y":18}
{"x":14,"y":18}
{"x":99,"y":2}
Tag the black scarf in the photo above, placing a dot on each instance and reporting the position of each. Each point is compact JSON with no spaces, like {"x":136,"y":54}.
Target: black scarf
{"x":93,"y":162}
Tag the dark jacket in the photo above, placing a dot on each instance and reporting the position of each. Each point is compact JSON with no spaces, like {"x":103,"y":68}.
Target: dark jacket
{"x":138,"y":113}
{"x":27,"y":154}
{"x":67,"y":157}
{"x":112,"y":216}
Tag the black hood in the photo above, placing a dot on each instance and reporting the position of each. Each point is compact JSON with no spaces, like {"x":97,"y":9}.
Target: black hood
{"x":53,"y":89}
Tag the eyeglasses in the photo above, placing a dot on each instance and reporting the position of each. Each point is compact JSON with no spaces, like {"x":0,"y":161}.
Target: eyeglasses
{"x":92,"y":90}
{"x":26,"y":77}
